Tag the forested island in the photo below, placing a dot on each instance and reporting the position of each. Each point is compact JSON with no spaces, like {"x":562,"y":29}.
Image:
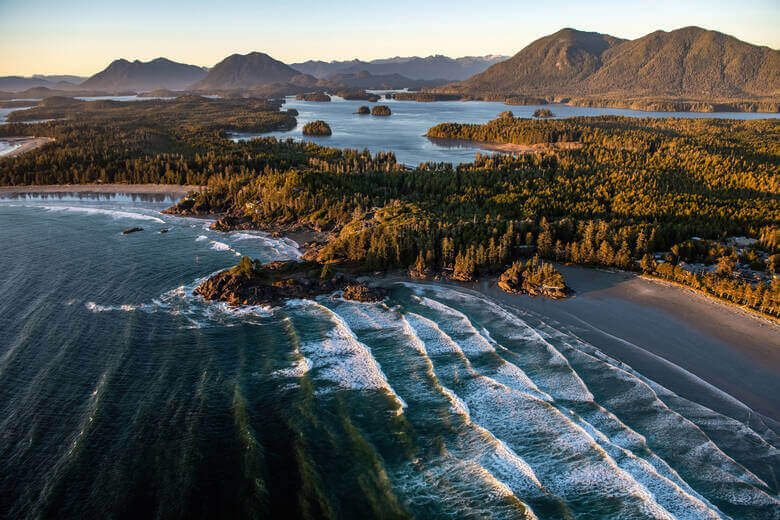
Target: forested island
{"x":380,"y":110}
{"x":316,"y":128}
{"x":358,"y":95}
{"x":314,"y":96}
{"x":664,"y":197}
{"x":543,"y":113}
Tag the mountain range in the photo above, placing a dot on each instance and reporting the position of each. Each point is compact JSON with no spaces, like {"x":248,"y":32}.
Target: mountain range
{"x":20,"y":83}
{"x":431,"y":68}
{"x":151,"y":75}
{"x":686,"y":63}
{"x":691,"y":64}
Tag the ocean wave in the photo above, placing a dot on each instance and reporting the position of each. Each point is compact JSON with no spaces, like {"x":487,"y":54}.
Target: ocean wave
{"x":115,"y":214}
{"x":94,"y":307}
{"x":282,"y":248}
{"x":198,"y":312}
{"x":524,"y":409}
{"x":339,"y":357}
{"x":475,"y":458}
{"x":685,"y":461}
{"x":221,"y":246}
{"x":299,"y":369}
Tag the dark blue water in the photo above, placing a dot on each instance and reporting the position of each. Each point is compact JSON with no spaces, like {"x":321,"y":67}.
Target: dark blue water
{"x":124,"y":396}
{"x":404,"y":131}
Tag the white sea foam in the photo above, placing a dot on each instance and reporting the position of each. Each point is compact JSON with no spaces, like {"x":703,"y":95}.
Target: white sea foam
{"x":524,"y":421}
{"x":490,"y":403}
{"x":94,"y":307}
{"x":298,"y":369}
{"x":341,"y":358}
{"x":558,"y":379}
{"x":115,"y":214}
{"x":198,"y":312}
{"x":661,"y":422}
{"x":220,"y":246}
{"x":680,"y":441}
{"x":282,"y":248}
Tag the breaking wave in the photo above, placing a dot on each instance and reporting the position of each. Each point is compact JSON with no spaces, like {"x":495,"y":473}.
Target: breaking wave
{"x":115,"y":214}
{"x":533,"y":416}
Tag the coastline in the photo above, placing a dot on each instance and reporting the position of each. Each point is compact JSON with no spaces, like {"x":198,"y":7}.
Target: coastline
{"x":509,"y":148}
{"x":708,"y":351}
{"x":682,"y":339}
{"x":748,"y":312}
{"x":175,"y":189}
{"x":27,"y":144}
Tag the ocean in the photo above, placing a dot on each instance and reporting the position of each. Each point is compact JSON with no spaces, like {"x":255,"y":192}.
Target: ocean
{"x":122,"y":395}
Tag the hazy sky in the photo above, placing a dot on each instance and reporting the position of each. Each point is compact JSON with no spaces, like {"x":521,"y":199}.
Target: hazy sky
{"x":82,"y":36}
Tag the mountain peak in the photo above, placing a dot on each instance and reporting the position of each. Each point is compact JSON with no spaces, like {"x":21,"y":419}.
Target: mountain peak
{"x":160,"y":73}
{"x":245,"y":71}
{"x":686,"y":62}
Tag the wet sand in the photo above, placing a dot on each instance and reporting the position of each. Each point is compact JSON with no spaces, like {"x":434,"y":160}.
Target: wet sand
{"x":27,"y":144}
{"x":704,"y":350}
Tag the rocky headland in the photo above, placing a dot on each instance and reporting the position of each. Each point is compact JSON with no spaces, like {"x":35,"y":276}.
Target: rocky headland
{"x":253,"y":283}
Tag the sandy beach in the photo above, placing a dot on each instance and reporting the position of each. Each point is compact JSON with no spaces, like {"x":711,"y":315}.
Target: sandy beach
{"x":27,"y":144}
{"x":702,"y":349}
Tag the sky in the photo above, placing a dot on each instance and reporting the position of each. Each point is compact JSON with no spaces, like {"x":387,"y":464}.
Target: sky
{"x":82,"y":37}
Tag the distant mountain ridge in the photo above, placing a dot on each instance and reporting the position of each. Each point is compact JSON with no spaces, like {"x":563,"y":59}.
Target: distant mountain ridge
{"x":366,"y":80}
{"x":250,"y":70}
{"x":690,"y":62}
{"x":151,"y":75}
{"x":20,"y":83}
{"x":435,"y":67}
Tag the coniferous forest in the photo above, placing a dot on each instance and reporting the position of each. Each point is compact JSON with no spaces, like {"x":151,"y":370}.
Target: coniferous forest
{"x":649,"y":195}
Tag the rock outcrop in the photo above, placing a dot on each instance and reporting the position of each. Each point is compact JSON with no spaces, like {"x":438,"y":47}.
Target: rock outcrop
{"x":274,"y":282}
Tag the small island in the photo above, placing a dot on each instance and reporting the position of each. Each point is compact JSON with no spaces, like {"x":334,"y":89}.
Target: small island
{"x":253,"y":283}
{"x":543,"y":113}
{"x":358,"y":95}
{"x":524,"y":100}
{"x":380,"y":110}
{"x":317,"y":128}
{"x":160,"y":93}
{"x":319,"y":97}
{"x":364,"y":110}
{"x":533,"y":277}
{"x":506,"y":114}
{"x":426,"y":97}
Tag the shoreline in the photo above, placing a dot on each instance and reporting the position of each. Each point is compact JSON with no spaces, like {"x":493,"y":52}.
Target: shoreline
{"x":27,"y":145}
{"x":746,"y":311}
{"x":691,"y":343}
{"x":702,"y":349}
{"x":509,"y":148}
{"x":100,"y":188}
{"x":709,"y":351}
{"x":720,"y":107}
